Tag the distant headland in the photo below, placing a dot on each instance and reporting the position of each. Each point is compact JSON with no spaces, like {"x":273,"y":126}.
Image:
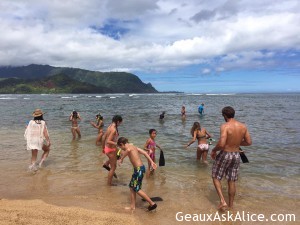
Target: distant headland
{"x":45,"y":79}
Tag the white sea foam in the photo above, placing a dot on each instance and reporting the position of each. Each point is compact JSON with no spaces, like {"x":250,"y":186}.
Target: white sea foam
{"x":194,"y":94}
{"x":221,"y":94}
{"x":228,"y":94}
{"x":7,"y":98}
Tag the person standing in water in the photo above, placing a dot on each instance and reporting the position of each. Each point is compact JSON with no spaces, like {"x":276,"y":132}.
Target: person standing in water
{"x":150,"y":147}
{"x":233,"y":134}
{"x":201,"y":135}
{"x":135,"y":184}
{"x":109,"y":146}
{"x":183,"y":112}
{"x":201,"y":109}
{"x":37,"y":138}
{"x":98,"y":125}
{"x":162,"y":115}
{"x":74,"y":117}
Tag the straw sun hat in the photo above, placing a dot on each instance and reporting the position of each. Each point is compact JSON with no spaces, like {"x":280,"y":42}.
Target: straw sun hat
{"x":37,"y":112}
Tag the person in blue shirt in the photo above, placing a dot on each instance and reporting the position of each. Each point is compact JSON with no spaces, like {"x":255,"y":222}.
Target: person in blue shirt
{"x":201,"y":109}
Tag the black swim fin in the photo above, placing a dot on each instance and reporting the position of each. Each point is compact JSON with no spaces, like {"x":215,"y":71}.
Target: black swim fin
{"x":243,"y":156}
{"x":162,"y":159}
{"x":155,"y":199}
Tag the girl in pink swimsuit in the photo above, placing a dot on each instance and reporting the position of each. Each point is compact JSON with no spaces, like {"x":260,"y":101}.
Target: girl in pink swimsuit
{"x":150,"y":147}
{"x":109,"y":145}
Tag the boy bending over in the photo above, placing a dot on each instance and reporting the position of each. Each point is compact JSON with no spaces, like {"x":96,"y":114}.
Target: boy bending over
{"x":135,"y":184}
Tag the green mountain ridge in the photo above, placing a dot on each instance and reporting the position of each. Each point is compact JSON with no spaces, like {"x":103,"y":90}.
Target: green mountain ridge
{"x":55,"y":84}
{"x":48,"y":79}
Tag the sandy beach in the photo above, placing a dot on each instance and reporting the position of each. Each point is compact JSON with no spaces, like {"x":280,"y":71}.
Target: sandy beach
{"x":39,"y":212}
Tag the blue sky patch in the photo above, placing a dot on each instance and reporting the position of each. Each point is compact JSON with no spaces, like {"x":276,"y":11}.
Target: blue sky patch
{"x":115,"y":29}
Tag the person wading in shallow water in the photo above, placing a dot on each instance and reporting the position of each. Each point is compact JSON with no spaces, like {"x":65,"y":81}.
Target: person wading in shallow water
{"x":201,"y":135}
{"x":135,"y":184}
{"x":74,"y":117}
{"x":37,"y":137}
{"x":109,"y":146}
{"x":233,"y":134}
{"x":98,"y":125}
{"x":201,"y":109}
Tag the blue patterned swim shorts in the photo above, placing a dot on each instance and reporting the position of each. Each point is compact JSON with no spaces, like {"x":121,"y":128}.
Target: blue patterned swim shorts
{"x":137,"y":178}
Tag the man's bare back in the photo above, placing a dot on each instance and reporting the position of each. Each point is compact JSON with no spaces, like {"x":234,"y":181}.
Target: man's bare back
{"x":234,"y":133}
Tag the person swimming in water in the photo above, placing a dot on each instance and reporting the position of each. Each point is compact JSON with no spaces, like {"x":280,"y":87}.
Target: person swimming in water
{"x":98,"y":125}
{"x":74,"y":117}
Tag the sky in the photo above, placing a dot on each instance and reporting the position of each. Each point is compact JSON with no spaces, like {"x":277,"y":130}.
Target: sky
{"x":193,"y":46}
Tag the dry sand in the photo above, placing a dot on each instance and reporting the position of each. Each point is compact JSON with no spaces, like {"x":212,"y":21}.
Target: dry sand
{"x":39,"y":212}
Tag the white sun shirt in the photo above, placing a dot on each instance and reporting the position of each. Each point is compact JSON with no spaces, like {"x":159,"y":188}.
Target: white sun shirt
{"x":34,"y":134}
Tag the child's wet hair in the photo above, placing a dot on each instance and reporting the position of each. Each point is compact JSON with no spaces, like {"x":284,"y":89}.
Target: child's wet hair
{"x":122,"y":140}
{"x":151,"y":131}
{"x":117,"y":118}
{"x":99,"y":117}
{"x":75,"y":114}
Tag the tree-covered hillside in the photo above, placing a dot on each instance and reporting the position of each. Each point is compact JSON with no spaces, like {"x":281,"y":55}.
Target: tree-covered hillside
{"x":109,"y":82}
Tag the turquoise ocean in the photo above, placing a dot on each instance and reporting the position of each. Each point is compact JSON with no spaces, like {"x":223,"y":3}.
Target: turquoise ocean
{"x":73,"y":173}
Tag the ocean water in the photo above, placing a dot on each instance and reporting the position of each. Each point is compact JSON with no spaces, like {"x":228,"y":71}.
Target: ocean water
{"x":73,"y":173}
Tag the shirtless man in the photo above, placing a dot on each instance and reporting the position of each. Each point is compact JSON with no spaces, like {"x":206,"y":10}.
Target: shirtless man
{"x":233,"y":134}
{"x":135,"y":184}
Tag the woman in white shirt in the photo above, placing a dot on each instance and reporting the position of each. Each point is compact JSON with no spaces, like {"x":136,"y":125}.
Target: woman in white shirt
{"x":37,"y":137}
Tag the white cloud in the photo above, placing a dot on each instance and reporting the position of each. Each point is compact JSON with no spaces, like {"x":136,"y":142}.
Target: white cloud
{"x":158,"y":35}
{"x":206,"y":71}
